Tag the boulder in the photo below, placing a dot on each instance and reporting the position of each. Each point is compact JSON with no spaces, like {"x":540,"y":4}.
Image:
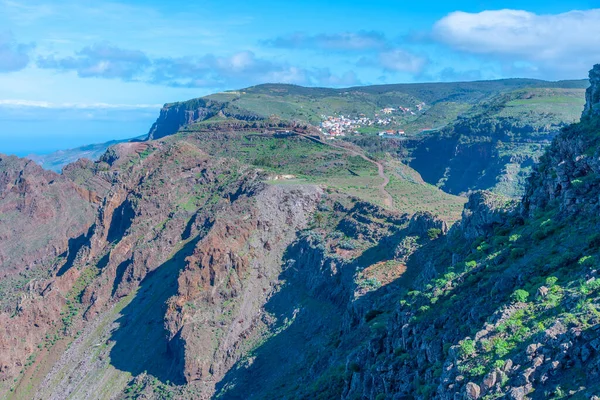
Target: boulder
{"x":472,"y":391}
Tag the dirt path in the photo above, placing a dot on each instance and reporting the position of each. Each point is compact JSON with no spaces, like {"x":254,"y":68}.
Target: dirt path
{"x":387,"y":197}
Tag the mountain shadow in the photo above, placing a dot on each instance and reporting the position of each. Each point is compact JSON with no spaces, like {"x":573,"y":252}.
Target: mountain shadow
{"x":141,"y":343}
{"x":314,"y":330}
{"x":74,"y":245}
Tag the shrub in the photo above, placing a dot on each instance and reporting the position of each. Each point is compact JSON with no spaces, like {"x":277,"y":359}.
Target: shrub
{"x":478,"y":370}
{"x":348,"y":245}
{"x":577,"y":182}
{"x":551,"y":281}
{"x":467,"y":348}
{"x":502,"y":347}
{"x":520,"y":296}
{"x":589,"y":287}
{"x":434,"y":233}
{"x":586,"y":261}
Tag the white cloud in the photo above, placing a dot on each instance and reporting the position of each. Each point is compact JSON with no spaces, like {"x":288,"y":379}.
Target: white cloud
{"x":343,"y":41}
{"x":398,"y":60}
{"x":101,"y":61}
{"x":395,"y":60}
{"x":559,"y":43}
{"x":13,"y":56}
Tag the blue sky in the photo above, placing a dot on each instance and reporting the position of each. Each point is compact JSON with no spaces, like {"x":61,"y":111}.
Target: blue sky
{"x":77,"y":71}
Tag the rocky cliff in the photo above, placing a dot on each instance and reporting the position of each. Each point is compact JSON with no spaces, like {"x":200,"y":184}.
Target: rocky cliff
{"x":509,"y":309}
{"x":177,"y":116}
{"x":43,"y":216}
{"x":569,"y":170}
{"x":174,"y":116}
{"x":592,"y":94}
{"x":190,"y":275}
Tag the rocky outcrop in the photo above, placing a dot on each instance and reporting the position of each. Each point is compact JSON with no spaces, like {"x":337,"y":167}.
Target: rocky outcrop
{"x":567,"y":175}
{"x":41,"y":215}
{"x":44,"y":218}
{"x":592,"y":94}
{"x":232,"y":273}
{"x":174,"y":116}
{"x":482,"y":212}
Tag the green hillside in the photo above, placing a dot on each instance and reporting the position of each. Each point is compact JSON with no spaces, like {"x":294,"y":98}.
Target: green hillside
{"x":458,"y":136}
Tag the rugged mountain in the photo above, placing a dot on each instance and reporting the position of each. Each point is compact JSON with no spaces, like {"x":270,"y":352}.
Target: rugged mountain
{"x":460,"y":136}
{"x":496,"y":145}
{"x":510,"y":304}
{"x":192,"y":237}
{"x":57,"y":160}
{"x":243,"y":260}
{"x":43,"y":216}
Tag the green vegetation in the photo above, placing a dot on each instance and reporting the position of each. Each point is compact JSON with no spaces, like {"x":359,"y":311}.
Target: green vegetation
{"x":293,"y":160}
{"x":497,"y":142}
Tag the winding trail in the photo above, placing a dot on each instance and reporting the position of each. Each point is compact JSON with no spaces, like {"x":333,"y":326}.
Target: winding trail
{"x":388,"y":200}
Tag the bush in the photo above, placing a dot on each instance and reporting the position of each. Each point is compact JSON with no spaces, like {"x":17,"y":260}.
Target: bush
{"x":520,"y":296}
{"x":467,"y":348}
{"x":348,"y":245}
{"x":587,"y":261}
{"x":477,"y":370}
{"x":502,"y":347}
{"x":434,"y":233}
{"x":551,"y":281}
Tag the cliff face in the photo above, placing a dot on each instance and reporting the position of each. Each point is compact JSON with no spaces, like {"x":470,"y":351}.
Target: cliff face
{"x":197,"y":278}
{"x":483,"y":152}
{"x":42,"y":216}
{"x":174,"y":116}
{"x":192,"y":277}
{"x":507,"y":307}
{"x":569,"y":170}
{"x":592,"y":94}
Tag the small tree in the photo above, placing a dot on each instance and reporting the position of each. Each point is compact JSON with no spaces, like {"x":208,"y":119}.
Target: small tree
{"x":434,"y":233}
{"x":520,"y":295}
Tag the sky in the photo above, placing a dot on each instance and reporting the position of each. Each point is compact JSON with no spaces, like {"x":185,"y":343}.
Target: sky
{"x":75,"y":72}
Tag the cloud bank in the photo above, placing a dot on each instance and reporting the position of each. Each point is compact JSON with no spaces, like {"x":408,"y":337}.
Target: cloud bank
{"x":207,"y":71}
{"x":551,"y":44}
{"x":13,"y":56}
{"x":344,"y":41}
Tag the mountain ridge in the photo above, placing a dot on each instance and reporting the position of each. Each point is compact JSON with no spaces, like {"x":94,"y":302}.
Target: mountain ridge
{"x":240,"y":262}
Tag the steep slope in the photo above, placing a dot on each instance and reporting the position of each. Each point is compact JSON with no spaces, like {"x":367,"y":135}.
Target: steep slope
{"x":250,"y":262}
{"x":182,"y":274}
{"x":57,"y":160}
{"x":508,"y":303}
{"x":496,"y":145}
{"x":461,"y":136}
{"x":42,"y":217}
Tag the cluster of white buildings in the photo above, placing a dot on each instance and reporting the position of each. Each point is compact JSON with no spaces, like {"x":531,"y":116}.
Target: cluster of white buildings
{"x":338,"y":126}
{"x":403,"y":110}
